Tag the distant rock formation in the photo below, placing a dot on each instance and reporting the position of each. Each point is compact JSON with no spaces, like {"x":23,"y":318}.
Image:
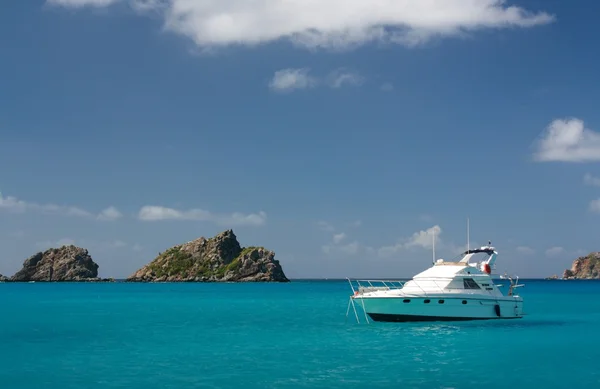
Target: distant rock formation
{"x":67,"y":263}
{"x":584,"y":268}
{"x":217,"y":259}
{"x":3,"y":279}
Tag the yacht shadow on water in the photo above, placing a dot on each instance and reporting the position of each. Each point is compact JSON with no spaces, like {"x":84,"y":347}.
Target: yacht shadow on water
{"x":523,"y":323}
{"x":459,"y":325}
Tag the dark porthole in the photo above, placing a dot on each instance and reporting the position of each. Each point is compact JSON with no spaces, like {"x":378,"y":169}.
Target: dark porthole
{"x":406,"y":300}
{"x":441,"y":301}
{"x":464,"y":301}
{"x":427,"y":301}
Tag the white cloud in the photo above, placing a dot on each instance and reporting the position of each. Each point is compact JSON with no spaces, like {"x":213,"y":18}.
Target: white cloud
{"x":387,"y":87}
{"x":13,"y":204}
{"x":595,"y":206}
{"x":388,"y":251}
{"x":330,"y":24}
{"x":336,"y":246}
{"x":289,"y":79}
{"x":568,"y":141}
{"x":348,"y":249}
{"x":425,"y":238}
{"x":82,"y":3}
{"x":155,"y":213}
{"x":340,"y":77}
{"x":588,"y":179}
{"x":337,"y":238}
{"x":325,"y":226}
{"x":554,"y":251}
{"x":420,"y":239}
{"x":525,"y":250}
{"x":109,"y":214}
{"x":148,"y":5}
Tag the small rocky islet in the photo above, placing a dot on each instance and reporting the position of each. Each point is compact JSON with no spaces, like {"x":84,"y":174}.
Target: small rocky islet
{"x":67,"y":263}
{"x":216,"y":259}
{"x":584,"y":268}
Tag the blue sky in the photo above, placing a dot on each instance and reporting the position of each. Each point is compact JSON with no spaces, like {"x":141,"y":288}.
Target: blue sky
{"x":336,"y":133}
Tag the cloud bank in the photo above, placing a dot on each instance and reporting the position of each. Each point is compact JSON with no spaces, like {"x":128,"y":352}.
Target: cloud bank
{"x":13,"y":204}
{"x":109,"y":214}
{"x":146,"y":213}
{"x":327,"y":24}
{"x":82,"y":3}
{"x":595,"y":206}
{"x":590,"y":180}
{"x":287,"y":80}
{"x":421,"y":239}
{"x":567,"y":140}
{"x":157,"y":213}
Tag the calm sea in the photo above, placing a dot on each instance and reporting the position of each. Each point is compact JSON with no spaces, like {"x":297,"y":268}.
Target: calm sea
{"x":284,"y":336}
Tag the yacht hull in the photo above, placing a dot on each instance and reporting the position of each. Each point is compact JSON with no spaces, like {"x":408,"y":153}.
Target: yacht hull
{"x":419,"y":309}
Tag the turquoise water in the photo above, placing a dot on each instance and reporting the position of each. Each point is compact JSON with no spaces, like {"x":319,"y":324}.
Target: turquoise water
{"x":284,"y":336}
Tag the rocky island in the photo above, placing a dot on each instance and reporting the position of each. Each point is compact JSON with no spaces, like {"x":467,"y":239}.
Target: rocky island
{"x":584,"y":268}
{"x":67,"y":263}
{"x":3,"y":279}
{"x":216,"y":259}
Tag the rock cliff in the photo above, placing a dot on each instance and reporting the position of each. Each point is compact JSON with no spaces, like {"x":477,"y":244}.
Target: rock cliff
{"x":584,"y":268}
{"x":3,"y":279}
{"x":217,"y":259}
{"x":67,"y":263}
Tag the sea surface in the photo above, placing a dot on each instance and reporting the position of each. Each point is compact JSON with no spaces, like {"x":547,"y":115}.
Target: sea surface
{"x":296,"y":335}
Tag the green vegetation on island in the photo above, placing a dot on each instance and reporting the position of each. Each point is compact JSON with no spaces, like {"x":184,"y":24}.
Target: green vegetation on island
{"x":216,"y":259}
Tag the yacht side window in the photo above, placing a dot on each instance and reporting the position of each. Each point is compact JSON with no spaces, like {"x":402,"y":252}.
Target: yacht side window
{"x":469,"y":283}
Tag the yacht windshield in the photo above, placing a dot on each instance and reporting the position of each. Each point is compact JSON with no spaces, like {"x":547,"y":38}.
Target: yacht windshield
{"x":469,"y":283}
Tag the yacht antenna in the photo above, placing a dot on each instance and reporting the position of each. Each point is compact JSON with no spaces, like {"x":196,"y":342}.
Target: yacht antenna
{"x":468,"y":243}
{"x":433,"y":259}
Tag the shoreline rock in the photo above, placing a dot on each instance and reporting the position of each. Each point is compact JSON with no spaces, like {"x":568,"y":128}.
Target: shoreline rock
{"x":584,"y":268}
{"x":216,"y":259}
{"x":3,"y":279}
{"x":64,"y":264}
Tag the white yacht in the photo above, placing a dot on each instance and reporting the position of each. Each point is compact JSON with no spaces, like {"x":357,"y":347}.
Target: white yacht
{"x":447,"y":291}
